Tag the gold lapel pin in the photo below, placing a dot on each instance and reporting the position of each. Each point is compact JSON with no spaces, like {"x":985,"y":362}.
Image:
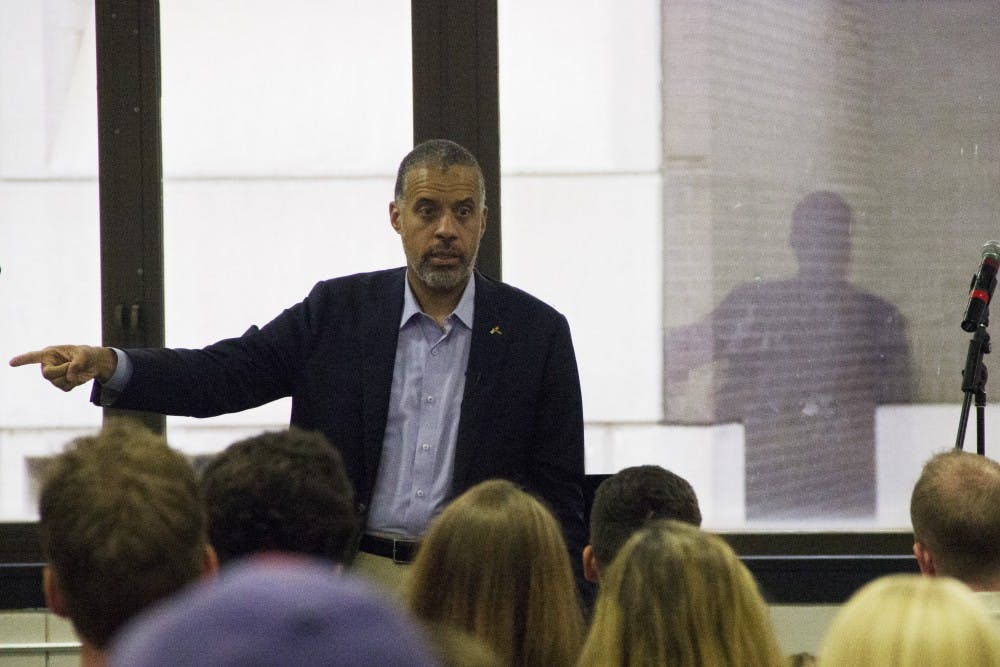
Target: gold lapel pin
{"x":496,"y":330}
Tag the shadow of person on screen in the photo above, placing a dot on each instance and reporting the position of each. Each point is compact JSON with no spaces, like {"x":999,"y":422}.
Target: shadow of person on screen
{"x":804,"y":362}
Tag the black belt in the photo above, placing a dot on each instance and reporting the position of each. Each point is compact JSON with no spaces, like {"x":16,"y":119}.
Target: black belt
{"x":400,"y":550}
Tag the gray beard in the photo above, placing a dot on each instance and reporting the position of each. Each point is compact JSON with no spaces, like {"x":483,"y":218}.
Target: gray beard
{"x":444,"y":279}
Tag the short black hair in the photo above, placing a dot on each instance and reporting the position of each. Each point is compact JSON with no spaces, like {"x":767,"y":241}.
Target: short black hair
{"x":440,"y":153}
{"x":626,"y":501}
{"x":280,"y":491}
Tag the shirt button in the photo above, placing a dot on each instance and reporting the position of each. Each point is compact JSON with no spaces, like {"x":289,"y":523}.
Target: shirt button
{"x":434,"y":352}
{"x":425,"y":446}
{"x":420,"y":494}
{"x":430,"y":399}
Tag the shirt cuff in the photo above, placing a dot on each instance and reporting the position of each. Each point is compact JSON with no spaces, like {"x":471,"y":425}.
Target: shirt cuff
{"x":118,"y":380}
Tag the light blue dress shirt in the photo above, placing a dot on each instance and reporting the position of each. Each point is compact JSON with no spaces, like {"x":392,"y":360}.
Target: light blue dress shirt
{"x":418,"y":450}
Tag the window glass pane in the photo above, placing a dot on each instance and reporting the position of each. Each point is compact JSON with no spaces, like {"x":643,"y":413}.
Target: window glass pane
{"x":581,"y":198}
{"x":829,"y":170}
{"x":283,"y":125}
{"x":581,"y":183}
{"x":49,"y":230}
{"x":822,"y":177}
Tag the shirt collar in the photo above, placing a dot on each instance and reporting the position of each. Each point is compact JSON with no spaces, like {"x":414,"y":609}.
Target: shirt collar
{"x":463,"y":311}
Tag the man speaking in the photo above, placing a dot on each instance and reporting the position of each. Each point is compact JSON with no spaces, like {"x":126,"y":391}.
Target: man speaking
{"x":429,"y":378}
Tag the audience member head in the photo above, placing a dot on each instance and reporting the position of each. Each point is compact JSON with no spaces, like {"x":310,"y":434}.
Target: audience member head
{"x":274,"y":610}
{"x":676,"y":595}
{"x":906,"y":620}
{"x":495,"y":565}
{"x":625,"y":502}
{"x":122,"y":525}
{"x":955,"y":510}
{"x":280,"y":491}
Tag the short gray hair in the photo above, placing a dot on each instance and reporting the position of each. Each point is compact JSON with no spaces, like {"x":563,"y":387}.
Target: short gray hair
{"x":443,"y":154}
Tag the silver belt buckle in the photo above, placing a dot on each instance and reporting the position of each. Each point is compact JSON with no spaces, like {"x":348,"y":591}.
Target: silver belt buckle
{"x":395,"y":558}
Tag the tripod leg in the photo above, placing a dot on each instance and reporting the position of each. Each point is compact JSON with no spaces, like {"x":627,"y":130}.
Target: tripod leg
{"x":981,"y":423}
{"x":963,"y":421}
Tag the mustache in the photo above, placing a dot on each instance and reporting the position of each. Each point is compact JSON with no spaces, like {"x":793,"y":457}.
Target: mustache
{"x":444,"y":252}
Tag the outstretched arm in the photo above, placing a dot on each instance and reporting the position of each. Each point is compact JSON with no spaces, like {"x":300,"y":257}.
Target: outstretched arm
{"x":68,"y":366}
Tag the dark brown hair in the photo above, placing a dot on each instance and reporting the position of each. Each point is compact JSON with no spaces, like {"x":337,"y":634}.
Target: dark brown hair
{"x":121,"y":524}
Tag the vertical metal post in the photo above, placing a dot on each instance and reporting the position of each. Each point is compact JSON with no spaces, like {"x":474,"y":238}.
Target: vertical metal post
{"x":456,"y":93}
{"x":131,"y":177}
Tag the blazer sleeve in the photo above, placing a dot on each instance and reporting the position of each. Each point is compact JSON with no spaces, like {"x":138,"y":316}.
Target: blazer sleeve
{"x":228,"y":376}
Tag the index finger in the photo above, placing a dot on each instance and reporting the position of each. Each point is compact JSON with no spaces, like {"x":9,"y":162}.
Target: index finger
{"x":27,"y":358}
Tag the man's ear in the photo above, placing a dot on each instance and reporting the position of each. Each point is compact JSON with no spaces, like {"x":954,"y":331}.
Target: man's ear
{"x":53,"y":598}
{"x":394,"y":215}
{"x":925,"y":559}
{"x":591,"y":569}
{"x":210,"y":562}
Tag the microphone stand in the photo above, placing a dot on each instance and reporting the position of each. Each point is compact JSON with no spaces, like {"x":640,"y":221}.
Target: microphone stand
{"x":974,"y":386}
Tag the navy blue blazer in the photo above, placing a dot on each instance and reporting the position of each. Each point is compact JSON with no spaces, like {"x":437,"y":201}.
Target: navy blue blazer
{"x":333,"y":353}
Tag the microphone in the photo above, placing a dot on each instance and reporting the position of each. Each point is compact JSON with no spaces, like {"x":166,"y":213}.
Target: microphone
{"x":982,"y":287}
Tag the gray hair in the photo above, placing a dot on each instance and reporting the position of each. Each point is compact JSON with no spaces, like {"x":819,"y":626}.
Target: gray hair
{"x":443,"y":154}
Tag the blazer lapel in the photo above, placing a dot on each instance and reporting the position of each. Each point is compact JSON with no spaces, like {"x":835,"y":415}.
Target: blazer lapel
{"x":487,"y":350}
{"x":381,"y":331}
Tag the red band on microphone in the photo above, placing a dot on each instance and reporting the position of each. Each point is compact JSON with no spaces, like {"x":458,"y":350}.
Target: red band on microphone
{"x":980,"y":294}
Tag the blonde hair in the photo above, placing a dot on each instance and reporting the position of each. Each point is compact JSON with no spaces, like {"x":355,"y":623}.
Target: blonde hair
{"x":495,"y":565}
{"x":908,"y":620}
{"x":676,"y":595}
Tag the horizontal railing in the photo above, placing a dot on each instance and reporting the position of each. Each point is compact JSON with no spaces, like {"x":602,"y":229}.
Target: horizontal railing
{"x":39,"y":647}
